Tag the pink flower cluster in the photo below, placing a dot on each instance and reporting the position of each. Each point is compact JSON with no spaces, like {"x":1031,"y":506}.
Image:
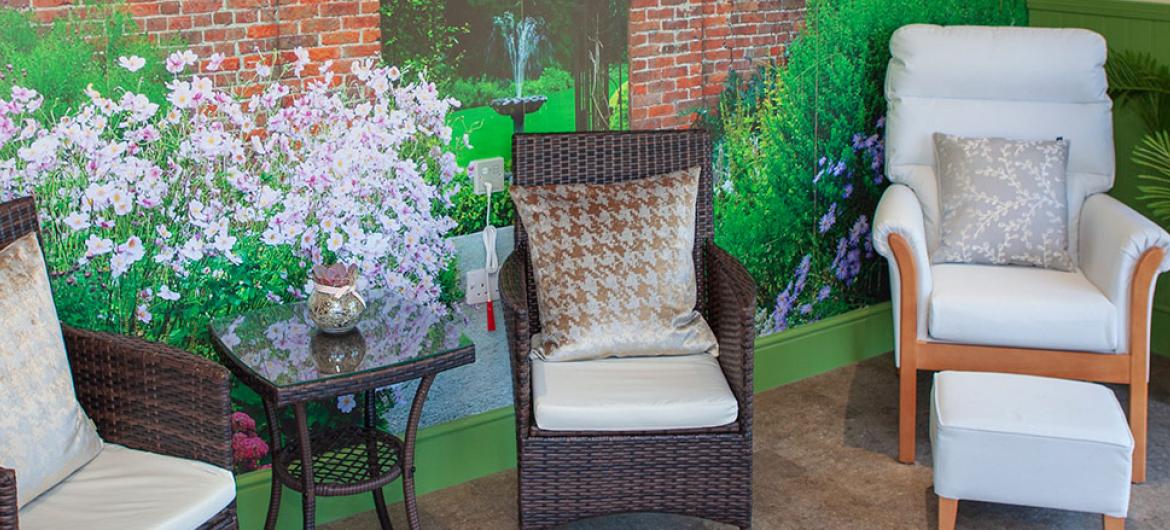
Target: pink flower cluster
{"x":247,"y":448}
{"x":210,"y":185}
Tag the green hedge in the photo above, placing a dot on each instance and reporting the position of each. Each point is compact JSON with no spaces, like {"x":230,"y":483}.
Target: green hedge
{"x":59,"y":62}
{"x":802,"y":153}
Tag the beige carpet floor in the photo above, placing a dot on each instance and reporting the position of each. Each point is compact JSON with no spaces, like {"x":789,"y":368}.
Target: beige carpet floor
{"x":824,"y":451}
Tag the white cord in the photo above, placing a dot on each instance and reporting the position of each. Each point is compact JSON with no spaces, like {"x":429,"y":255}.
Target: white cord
{"x":491,"y":261}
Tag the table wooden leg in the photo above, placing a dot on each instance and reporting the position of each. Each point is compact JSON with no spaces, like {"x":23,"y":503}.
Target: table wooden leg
{"x":372,"y":451}
{"x":1114,"y":523}
{"x":309,"y":501}
{"x":274,"y":447}
{"x":420,"y":396}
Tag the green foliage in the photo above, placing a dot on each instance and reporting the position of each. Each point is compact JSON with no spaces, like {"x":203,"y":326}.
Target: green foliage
{"x":619,"y":108}
{"x":481,"y":91}
{"x":60,"y":61}
{"x":1154,"y":154}
{"x":802,"y":155}
{"x":1139,"y":80}
{"x":468,"y":209}
{"x":417,"y":36}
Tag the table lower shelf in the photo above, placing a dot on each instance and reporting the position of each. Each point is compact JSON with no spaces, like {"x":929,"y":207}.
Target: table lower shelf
{"x":346,"y":461}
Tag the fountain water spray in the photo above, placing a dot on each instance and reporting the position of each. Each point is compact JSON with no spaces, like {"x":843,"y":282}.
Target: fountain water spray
{"x":521,"y":38}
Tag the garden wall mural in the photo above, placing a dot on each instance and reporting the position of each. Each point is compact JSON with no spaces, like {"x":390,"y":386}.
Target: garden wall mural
{"x":170,"y":196}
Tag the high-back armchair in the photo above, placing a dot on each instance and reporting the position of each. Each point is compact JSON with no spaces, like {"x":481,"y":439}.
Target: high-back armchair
{"x":1092,"y":323}
{"x":568,"y":473}
{"x":166,"y":409}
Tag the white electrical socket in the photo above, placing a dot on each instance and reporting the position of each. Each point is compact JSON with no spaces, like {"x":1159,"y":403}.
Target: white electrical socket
{"x":482,"y":286}
{"x":488,"y":170}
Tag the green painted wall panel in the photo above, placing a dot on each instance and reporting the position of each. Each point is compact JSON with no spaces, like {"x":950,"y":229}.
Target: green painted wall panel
{"x":1127,"y":25}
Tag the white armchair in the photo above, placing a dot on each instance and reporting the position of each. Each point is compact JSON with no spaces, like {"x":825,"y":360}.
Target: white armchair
{"x":1090,"y":324}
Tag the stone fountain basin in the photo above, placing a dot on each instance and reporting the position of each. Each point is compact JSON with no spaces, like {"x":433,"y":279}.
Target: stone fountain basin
{"x":518,"y":106}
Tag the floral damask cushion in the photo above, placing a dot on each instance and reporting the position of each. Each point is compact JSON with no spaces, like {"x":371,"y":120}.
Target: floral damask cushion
{"x":1004,"y":202}
{"x":614,"y":269}
{"x":44,"y":434}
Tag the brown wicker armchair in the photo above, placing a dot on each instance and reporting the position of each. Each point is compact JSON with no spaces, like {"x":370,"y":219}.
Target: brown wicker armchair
{"x":565,"y":476}
{"x":142,"y":395}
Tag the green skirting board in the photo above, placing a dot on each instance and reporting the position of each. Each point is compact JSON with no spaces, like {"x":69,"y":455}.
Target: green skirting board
{"x":471,"y":447}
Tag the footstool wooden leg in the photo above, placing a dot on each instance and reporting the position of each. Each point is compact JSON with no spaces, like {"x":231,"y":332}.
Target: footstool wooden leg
{"x":1114,"y":523}
{"x":948,"y":509}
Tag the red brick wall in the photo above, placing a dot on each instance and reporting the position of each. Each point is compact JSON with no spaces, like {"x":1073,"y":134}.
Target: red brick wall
{"x":246,"y":30}
{"x":682,"y":50}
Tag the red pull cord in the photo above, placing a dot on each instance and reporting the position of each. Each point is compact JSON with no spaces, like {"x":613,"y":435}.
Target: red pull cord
{"x":491,"y":317}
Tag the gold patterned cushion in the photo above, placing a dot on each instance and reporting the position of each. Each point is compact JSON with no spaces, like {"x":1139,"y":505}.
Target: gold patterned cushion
{"x":614,"y":269}
{"x":44,"y":434}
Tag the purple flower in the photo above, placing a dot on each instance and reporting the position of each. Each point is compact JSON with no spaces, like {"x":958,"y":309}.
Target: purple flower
{"x":860,"y":230}
{"x":806,"y":309}
{"x":828,"y":219}
{"x":824,"y":293}
{"x":881,"y":122}
{"x":780,"y":312}
{"x":847,"y":191}
{"x":839,"y":168}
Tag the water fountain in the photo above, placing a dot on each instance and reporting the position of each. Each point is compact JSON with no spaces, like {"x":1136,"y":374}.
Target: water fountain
{"x":521,"y":39}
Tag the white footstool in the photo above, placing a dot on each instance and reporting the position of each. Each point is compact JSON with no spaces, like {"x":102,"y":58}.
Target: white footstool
{"x":1031,"y":441}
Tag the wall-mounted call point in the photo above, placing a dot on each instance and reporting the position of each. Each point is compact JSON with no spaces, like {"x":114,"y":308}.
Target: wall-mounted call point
{"x":483,"y":284}
{"x":488,"y":170}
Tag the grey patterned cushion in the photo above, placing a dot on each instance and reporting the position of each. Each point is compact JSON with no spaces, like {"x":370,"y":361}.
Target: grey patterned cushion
{"x":44,"y":433}
{"x":1004,"y":202}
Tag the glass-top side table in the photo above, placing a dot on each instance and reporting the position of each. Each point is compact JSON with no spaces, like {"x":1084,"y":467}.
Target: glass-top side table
{"x":279,"y":354}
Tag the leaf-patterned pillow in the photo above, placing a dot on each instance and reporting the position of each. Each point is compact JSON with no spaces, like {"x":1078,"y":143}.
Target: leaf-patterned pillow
{"x":614,"y":269}
{"x":1004,"y":202}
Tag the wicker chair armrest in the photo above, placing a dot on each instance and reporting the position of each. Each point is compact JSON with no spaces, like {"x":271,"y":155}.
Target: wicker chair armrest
{"x":151,"y":396}
{"x":517,"y":321}
{"x":731,"y":306}
{"x":8,"y":509}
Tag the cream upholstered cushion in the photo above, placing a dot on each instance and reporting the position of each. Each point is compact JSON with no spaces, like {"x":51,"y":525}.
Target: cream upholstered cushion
{"x":44,"y":433}
{"x":632,"y":394}
{"x":126,"y":488}
{"x":1021,"y":307}
{"x":1032,"y":441}
{"x":614,"y":268}
{"x":1004,"y":202}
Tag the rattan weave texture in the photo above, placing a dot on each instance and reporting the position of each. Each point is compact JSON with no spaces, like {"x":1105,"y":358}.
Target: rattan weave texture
{"x":565,"y":476}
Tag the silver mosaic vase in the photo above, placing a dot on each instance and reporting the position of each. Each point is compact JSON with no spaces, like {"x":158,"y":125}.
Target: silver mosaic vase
{"x":335,"y":312}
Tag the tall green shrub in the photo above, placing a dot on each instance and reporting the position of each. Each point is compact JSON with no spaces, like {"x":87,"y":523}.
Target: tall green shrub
{"x":72,"y":53}
{"x":802,"y":161}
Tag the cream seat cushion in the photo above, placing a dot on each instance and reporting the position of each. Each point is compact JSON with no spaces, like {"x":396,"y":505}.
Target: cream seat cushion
{"x":1021,"y":307}
{"x":1032,"y":441}
{"x":632,"y":394}
{"x":44,"y":433}
{"x":125,"y":488}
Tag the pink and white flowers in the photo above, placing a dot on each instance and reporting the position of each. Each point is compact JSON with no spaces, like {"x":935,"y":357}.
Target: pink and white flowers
{"x":218,"y":203}
{"x":132,"y":63}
